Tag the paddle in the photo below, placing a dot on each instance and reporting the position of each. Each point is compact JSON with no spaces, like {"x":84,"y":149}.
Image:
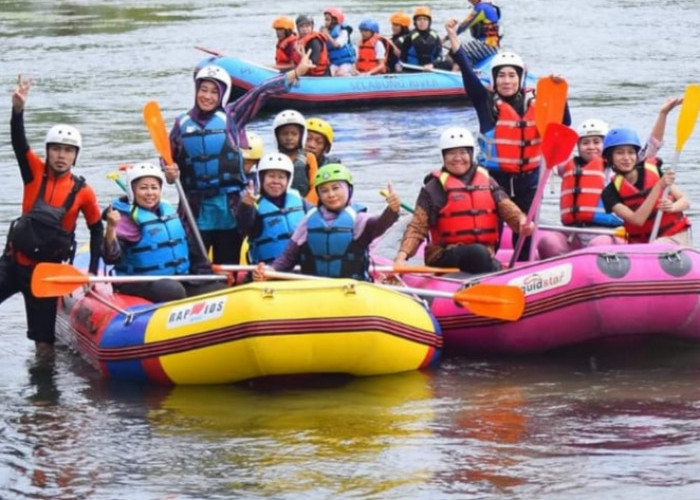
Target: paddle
{"x":504,"y":302}
{"x":159,"y":135}
{"x":557,"y":145}
{"x":209,"y":51}
{"x":415,"y":269}
{"x":431,"y":70}
{"x":550,"y":103}
{"x":618,"y":232}
{"x":686,"y":122}
{"x":54,"y":280}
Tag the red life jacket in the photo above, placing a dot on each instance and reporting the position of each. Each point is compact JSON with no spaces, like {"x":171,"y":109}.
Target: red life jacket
{"x":671,"y":223}
{"x":469,"y":216}
{"x":367,"y":56}
{"x":323,"y":62}
{"x":514,"y":142}
{"x":581,"y":189}
{"x":285,"y":49}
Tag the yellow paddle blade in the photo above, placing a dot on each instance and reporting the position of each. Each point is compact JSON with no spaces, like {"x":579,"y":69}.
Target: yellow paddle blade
{"x":550,"y":103}
{"x":505,"y":302}
{"x":53,"y":280}
{"x":688,"y":115}
{"x":156,"y":127}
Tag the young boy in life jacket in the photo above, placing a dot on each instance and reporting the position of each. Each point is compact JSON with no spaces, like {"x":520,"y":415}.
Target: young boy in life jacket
{"x":269,"y":220}
{"x":340,"y":49}
{"x":145,"y":237}
{"x":484,"y":27}
{"x":333,"y":239}
{"x":635,"y":193}
{"x":583,"y":179}
{"x":313,"y":43}
{"x":319,"y":140}
{"x":289,"y":128}
{"x":52,"y":199}
{"x":459,"y":209}
{"x":286,"y":43}
{"x":423,"y":46}
{"x":373,"y":49}
{"x":400,"y":27}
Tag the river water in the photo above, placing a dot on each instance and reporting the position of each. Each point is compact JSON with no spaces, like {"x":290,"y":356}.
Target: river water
{"x":616,"y":424}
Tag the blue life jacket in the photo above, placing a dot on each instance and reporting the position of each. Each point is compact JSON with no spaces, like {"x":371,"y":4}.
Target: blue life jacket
{"x":344,"y":54}
{"x":278,"y":224}
{"x":423,"y":49}
{"x":162,"y":249}
{"x":330,"y":249}
{"x":212,"y":165}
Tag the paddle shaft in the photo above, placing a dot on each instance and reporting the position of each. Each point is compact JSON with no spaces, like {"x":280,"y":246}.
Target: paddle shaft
{"x":619,"y":232}
{"x":667,"y":189}
{"x":132,"y":279}
{"x":429,"y":70}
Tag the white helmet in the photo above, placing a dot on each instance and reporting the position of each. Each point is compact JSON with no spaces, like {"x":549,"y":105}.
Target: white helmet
{"x":67,"y":135}
{"x":255,"y":148}
{"x":219,"y":74}
{"x":507,"y":59}
{"x":287,"y":117}
{"x":138,"y":171}
{"x":277,"y":161}
{"x":593,"y":127}
{"x":456,"y":137}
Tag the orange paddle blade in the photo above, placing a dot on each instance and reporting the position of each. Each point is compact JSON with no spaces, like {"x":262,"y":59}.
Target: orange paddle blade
{"x":53,"y":280}
{"x":156,"y":127}
{"x":558,"y":143}
{"x":550,"y":103}
{"x":505,"y":302}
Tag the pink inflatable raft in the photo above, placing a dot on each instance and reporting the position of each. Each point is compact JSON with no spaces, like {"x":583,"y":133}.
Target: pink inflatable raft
{"x":597,"y":293}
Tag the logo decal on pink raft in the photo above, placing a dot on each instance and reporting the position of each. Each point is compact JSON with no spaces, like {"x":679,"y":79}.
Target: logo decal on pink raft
{"x":194,"y":313}
{"x":547,"y":279}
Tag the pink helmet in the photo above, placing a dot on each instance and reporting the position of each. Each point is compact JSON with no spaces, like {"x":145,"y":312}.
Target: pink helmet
{"x":336,"y":13}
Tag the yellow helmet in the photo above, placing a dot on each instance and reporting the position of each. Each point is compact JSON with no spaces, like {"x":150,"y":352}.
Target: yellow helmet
{"x":400,"y":18}
{"x":254,"y":151}
{"x":322,"y":127}
{"x":283,"y":23}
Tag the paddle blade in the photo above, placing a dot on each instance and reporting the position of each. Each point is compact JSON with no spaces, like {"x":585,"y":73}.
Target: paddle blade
{"x":156,"y":127}
{"x":504,"y":302}
{"x":551,"y":102}
{"x":558,"y":143}
{"x":53,"y":280}
{"x":688,"y":115}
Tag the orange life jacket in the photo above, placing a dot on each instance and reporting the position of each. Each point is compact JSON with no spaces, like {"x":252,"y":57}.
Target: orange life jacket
{"x":469,"y":216}
{"x":513,"y":146}
{"x":367,"y":55}
{"x":285,"y":49}
{"x":581,"y":189}
{"x":671,"y":223}
{"x":323,"y":62}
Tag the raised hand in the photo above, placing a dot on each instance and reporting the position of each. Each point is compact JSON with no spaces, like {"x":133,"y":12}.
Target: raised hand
{"x":172,"y":172}
{"x":112,"y":217}
{"x":249,"y":197}
{"x":305,"y":64}
{"x":19,"y":96}
{"x":392,"y":198}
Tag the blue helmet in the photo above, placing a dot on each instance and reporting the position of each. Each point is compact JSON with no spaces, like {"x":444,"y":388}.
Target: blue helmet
{"x":369,"y":25}
{"x":621,"y":137}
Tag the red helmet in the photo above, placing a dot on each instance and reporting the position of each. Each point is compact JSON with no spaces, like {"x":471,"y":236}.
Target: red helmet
{"x":336,"y":13}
